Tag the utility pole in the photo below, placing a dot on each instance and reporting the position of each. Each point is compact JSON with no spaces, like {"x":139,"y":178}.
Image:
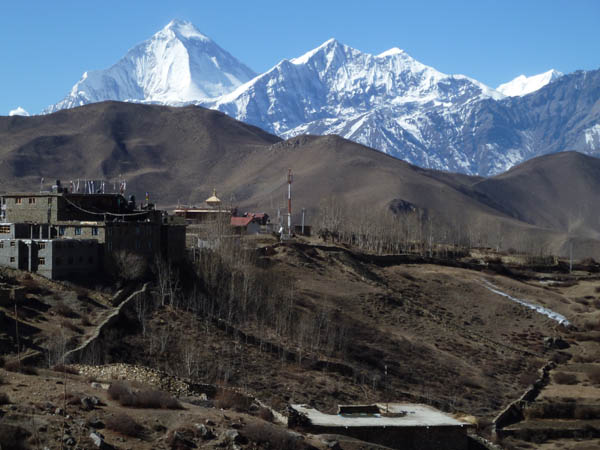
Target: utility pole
{"x":570,"y":256}
{"x":290,"y":179}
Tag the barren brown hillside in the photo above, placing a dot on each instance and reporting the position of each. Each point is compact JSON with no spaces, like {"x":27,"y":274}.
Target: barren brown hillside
{"x":180,"y":154}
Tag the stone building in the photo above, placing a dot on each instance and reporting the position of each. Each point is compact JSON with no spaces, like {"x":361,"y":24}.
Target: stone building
{"x":61,"y":234}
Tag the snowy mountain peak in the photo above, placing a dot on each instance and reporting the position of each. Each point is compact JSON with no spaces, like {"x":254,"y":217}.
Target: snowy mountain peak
{"x":19,"y":111}
{"x":176,"y":65}
{"x":391,"y":52}
{"x":377,"y":100}
{"x":326,"y":47}
{"x":523,"y":85}
{"x":184,"y":30}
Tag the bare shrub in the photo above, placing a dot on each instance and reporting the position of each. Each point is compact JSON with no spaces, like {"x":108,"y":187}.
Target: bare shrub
{"x":4,"y":400}
{"x":228,"y":399}
{"x":126,"y":425}
{"x":14,"y":366}
{"x":564,"y":378}
{"x":73,"y":398}
{"x":156,"y":399}
{"x":64,"y":310}
{"x":471,"y":382}
{"x":71,"y":326}
{"x":13,"y":437}
{"x":117,"y":390}
{"x":145,"y":398}
{"x":584,"y":358}
{"x":85,"y":321}
{"x":180,"y":438}
{"x":129,"y":266}
{"x":29,"y":370}
{"x":592,"y":324}
{"x":584,"y":412}
{"x":543,"y":410}
{"x":65,"y":369}
{"x":266,"y":414}
{"x":273,"y":436}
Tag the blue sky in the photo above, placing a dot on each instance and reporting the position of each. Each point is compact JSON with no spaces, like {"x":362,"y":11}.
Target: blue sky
{"x":47,"y":45}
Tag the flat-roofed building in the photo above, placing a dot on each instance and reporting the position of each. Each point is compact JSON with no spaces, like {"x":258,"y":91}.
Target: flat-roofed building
{"x":62,"y":234}
{"x":407,"y":426}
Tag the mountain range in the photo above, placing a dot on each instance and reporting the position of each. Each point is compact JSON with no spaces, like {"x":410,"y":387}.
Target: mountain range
{"x":390,"y":102}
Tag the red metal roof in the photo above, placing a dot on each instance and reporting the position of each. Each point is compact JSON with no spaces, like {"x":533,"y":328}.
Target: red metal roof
{"x":241,"y":221}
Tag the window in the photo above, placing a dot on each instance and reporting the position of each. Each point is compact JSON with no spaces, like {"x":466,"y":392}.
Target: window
{"x":42,"y":261}
{"x":41,"y":245}
{"x":12,"y":243}
{"x":18,"y":200}
{"x":94,"y":231}
{"x":4,"y":229}
{"x":12,"y":259}
{"x":1,"y":244}
{"x":61,"y":230}
{"x":49,"y":200}
{"x":32,"y":200}
{"x":77,"y":231}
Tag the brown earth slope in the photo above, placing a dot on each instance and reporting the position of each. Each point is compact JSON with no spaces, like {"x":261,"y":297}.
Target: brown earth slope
{"x":180,"y":154}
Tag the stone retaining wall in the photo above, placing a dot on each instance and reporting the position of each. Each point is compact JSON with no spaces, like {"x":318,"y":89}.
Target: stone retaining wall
{"x":88,"y":350}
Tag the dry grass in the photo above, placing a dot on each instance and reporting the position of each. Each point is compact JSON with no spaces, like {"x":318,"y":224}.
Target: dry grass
{"x":564,"y":378}
{"x":64,"y":310}
{"x":585,"y":358}
{"x":594,"y":375}
{"x":125,"y":425}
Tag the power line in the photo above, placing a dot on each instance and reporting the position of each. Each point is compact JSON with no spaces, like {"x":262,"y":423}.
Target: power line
{"x":106,"y":213}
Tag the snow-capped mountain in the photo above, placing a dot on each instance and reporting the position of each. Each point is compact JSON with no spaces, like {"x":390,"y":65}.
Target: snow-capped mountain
{"x":176,"y":65}
{"x":389,"y":101}
{"x":523,"y":85}
{"x":19,"y":111}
